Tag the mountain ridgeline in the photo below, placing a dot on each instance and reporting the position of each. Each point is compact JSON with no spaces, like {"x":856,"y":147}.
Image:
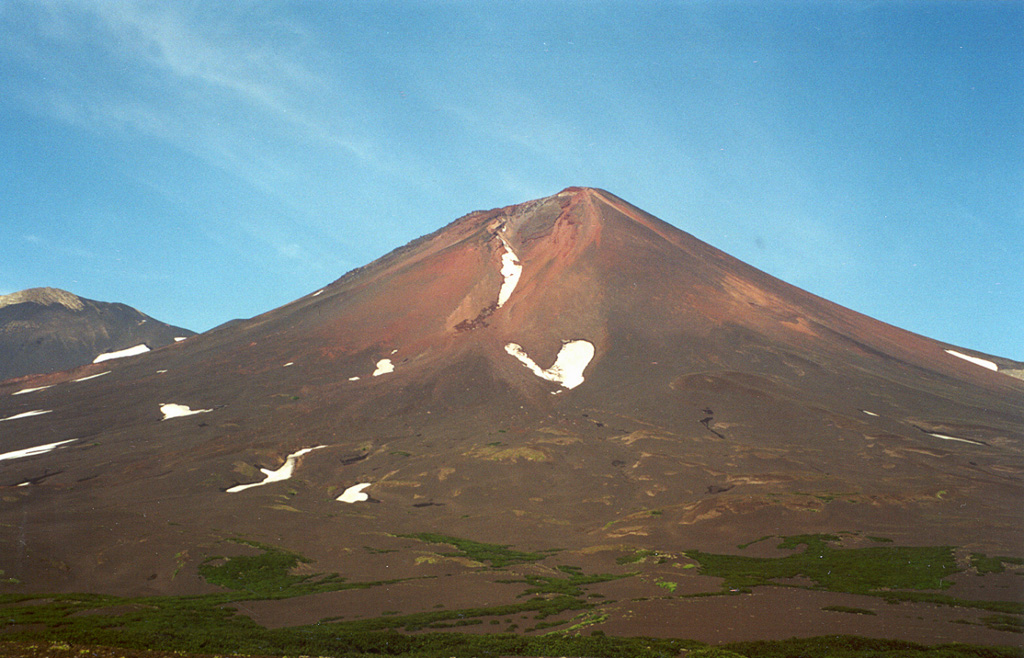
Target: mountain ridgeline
{"x":47,"y":329}
{"x":566,"y":410}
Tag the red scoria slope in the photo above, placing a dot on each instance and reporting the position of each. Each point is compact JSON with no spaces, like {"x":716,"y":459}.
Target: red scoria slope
{"x":720,"y":405}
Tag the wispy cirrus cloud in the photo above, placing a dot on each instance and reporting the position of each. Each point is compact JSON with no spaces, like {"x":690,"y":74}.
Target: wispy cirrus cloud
{"x":214,"y":85}
{"x":231,"y":87}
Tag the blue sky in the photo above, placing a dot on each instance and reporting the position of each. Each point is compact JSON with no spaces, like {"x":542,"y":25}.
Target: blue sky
{"x":206,"y":161}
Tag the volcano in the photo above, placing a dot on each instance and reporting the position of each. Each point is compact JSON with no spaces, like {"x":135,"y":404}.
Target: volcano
{"x":573,"y":394}
{"x":48,"y":329}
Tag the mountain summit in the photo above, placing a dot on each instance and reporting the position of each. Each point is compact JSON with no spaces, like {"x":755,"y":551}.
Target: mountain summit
{"x":43,"y":297}
{"x":569,"y":375}
{"x":47,"y":329}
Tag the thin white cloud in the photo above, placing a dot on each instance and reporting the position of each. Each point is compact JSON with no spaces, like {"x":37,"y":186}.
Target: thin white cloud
{"x":203,"y":83}
{"x":290,"y":250}
{"x":48,"y":243}
{"x":238,"y":93}
{"x":514,"y":117}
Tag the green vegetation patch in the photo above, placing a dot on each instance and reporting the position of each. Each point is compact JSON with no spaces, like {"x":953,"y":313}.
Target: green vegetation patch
{"x":643,"y":555}
{"x":848,"y":646}
{"x":856,"y":570}
{"x":1004,"y":623}
{"x":848,"y":609}
{"x":1008,"y":607}
{"x":194,"y":625}
{"x":985,"y":564}
{"x":268,"y":575}
{"x":756,"y":541}
{"x":635,"y":557}
{"x":571,"y":586}
{"x":499,"y":556}
{"x":541,"y":608}
{"x":210,"y":624}
{"x":894,"y":573}
{"x":713,"y":652}
{"x":596,"y":645}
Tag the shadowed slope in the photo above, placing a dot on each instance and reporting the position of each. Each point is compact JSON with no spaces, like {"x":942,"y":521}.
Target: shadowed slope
{"x":47,"y":329}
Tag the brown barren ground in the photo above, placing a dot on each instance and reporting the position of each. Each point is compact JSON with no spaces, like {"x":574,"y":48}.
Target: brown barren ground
{"x":776,"y":613}
{"x":64,"y":650}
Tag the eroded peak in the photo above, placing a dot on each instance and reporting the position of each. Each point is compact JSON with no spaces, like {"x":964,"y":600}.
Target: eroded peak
{"x":44,"y":296}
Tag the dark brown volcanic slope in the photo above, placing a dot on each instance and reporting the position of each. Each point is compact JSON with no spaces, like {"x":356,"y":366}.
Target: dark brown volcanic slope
{"x":47,"y":329}
{"x":720,"y":405}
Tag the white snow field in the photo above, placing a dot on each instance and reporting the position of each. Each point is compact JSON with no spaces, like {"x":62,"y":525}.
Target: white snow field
{"x":178,"y":410}
{"x":384,"y":366}
{"x":511,"y":270}
{"x":984,"y":363}
{"x":131,"y":351}
{"x":569,"y":365}
{"x":31,"y":390}
{"x":26,"y":414}
{"x":85,"y":379}
{"x":178,"y":339}
{"x":354,"y":494}
{"x":954,"y":438}
{"x":870,"y":413}
{"x":283,"y":473}
{"x":35,"y":450}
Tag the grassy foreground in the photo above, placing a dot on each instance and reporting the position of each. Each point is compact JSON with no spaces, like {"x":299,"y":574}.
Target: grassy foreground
{"x":833,"y":646}
{"x":66,"y":625}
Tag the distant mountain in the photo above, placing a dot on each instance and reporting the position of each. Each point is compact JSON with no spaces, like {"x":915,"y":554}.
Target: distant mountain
{"x":564,"y":415}
{"x":47,"y":329}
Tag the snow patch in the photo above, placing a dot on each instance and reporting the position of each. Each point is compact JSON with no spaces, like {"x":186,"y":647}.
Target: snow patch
{"x":177,"y":410}
{"x":354,"y":494}
{"x":36,"y":450}
{"x":31,"y":390}
{"x":569,"y":365}
{"x":120,"y":354}
{"x":290,"y":363}
{"x":317,"y":293}
{"x":85,"y":379}
{"x":511,"y":270}
{"x":283,"y":473}
{"x":954,"y":438}
{"x":178,"y":339}
{"x":870,"y":413}
{"x":984,"y":363}
{"x":353,"y":379}
{"x":27,"y":414}
{"x":384,"y":366}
